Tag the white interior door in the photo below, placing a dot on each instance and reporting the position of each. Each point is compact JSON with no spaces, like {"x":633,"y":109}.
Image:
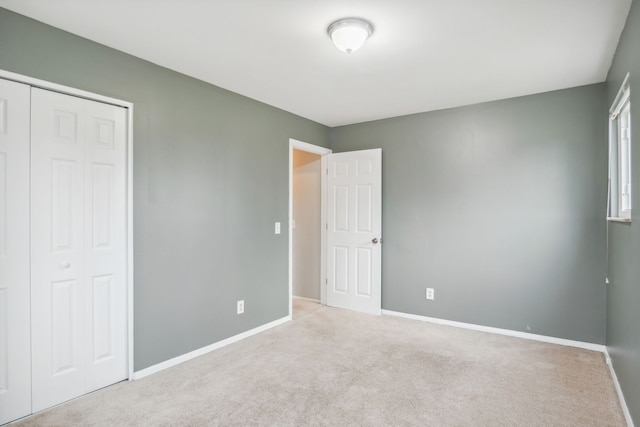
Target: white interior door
{"x":78,"y":286}
{"x":15,"y":344}
{"x":354,"y":222}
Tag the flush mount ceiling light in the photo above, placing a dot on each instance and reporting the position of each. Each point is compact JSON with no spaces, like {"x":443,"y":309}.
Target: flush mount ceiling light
{"x":349,"y":34}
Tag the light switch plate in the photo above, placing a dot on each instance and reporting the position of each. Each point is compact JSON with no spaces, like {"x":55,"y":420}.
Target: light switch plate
{"x":277,"y":228}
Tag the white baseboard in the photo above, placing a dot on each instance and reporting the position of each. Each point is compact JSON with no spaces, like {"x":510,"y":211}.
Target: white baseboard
{"x":307,"y":299}
{"x":623,"y":402}
{"x":507,"y":332}
{"x":204,"y":350}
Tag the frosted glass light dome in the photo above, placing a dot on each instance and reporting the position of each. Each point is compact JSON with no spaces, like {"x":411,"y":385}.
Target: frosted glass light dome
{"x":349,"y":34}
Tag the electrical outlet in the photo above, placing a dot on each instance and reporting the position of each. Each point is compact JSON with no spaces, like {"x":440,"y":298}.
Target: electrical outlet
{"x":430,"y":295}
{"x":240,"y":306}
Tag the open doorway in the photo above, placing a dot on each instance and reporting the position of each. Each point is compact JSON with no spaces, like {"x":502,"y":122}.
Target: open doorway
{"x":306,"y":216}
{"x":307,"y":188}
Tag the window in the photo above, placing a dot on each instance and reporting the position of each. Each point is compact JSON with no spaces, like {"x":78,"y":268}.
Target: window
{"x":619,"y":203}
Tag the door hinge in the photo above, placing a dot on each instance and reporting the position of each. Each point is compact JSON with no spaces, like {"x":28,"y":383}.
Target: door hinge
{"x":326,"y":226}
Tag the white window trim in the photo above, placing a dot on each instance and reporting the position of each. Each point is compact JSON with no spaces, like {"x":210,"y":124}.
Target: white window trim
{"x":619,"y":202}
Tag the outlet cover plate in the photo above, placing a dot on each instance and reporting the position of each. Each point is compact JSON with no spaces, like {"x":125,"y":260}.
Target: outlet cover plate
{"x":430,"y":294}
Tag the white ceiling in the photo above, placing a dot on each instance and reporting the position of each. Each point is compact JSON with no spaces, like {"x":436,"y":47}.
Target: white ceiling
{"x":424,"y":55}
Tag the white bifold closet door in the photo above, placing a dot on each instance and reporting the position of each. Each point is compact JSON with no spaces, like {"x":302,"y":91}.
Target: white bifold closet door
{"x":78,"y":247}
{"x":15,"y":346}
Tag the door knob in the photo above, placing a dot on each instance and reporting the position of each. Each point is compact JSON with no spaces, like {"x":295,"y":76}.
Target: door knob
{"x":374,"y":240}
{"x":65,"y":264}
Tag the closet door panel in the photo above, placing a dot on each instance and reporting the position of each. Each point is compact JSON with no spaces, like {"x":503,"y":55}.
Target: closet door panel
{"x":79,"y":291}
{"x":57,"y":253}
{"x":15,"y":344}
{"x":105,"y":243}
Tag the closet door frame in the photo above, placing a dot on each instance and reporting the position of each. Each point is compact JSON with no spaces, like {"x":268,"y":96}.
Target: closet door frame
{"x":7,"y":75}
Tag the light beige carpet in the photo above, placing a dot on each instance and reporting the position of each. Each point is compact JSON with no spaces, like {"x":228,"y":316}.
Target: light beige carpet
{"x":332,"y":367}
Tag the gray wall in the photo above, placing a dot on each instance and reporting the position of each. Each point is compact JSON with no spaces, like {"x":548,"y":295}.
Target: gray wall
{"x":307,"y":194}
{"x":623,"y":297}
{"x":210,"y":180}
{"x":499,"y":207}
